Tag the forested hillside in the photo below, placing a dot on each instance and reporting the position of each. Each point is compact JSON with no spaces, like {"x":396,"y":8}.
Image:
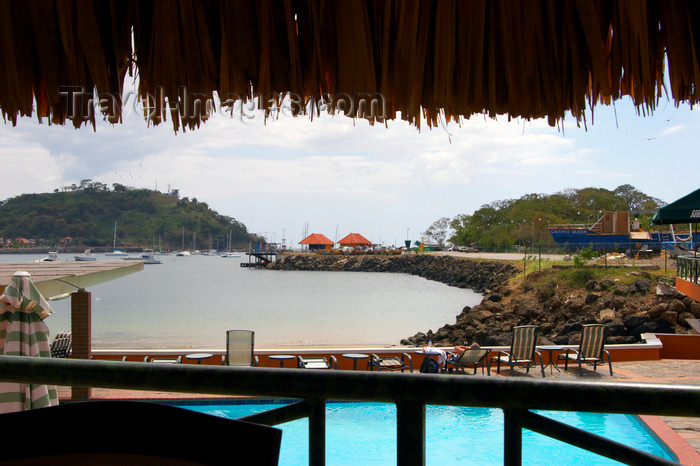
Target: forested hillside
{"x":526,"y":220}
{"x":144,"y":218}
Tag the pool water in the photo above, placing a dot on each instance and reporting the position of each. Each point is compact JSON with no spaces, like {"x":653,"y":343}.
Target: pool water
{"x":365,"y":433}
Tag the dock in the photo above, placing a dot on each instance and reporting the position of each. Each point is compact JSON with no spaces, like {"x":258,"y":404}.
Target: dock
{"x":259,"y":259}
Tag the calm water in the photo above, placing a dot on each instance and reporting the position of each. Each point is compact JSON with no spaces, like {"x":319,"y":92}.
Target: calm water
{"x":191,"y":301}
{"x":365,"y":433}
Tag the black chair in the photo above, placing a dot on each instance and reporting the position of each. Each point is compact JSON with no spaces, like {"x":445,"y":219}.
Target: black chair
{"x":523,"y":350}
{"x":317,"y":363}
{"x":591,"y":350}
{"x":391,"y":363}
{"x":135,"y":433}
{"x":61,"y":345}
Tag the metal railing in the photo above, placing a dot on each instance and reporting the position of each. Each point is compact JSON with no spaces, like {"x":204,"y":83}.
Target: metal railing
{"x":688,"y":268}
{"x":409,"y":392}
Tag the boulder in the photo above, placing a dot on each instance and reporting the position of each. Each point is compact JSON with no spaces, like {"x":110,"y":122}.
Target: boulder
{"x":671,"y":317}
{"x":663,"y":289}
{"x":658,"y":325}
{"x":634,"y":321}
{"x":657,"y":310}
{"x":641,"y":286}
{"x":480,"y":315}
{"x":676,"y":305}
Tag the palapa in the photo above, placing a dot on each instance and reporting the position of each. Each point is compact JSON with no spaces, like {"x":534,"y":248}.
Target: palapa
{"x":420,"y":59}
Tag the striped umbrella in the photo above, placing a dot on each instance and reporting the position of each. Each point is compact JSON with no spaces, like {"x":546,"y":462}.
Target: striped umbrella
{"x":24,"y":333}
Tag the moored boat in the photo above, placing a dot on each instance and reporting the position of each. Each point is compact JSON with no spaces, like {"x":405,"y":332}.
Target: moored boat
{"x":52,"y":257}
{"x":86,"y":256}
{"x":612,"y":231}
{"x":146,"y":256}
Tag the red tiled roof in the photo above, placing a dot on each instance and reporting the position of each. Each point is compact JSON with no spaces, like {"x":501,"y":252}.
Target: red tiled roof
{"x":356,"y":239}
{"x":316,"y":238}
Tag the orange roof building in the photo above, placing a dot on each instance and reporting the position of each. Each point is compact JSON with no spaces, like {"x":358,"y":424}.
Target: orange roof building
{"x":354,"y":240}
{"x":317,"y":241}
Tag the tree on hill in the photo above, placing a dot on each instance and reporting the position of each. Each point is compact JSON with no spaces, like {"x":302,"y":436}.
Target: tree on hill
{"x":87,"y":213}
{"x":526,"y":221}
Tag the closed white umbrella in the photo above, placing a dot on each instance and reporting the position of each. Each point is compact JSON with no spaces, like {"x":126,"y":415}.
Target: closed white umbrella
{"x":24,"y":333}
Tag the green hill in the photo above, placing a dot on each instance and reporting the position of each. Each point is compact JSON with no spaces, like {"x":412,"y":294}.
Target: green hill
{"x":525,"y":221}
{"x":144,"y":218}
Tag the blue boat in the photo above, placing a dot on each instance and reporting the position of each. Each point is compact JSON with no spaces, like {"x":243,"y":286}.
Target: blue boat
{"x":614,"y":231}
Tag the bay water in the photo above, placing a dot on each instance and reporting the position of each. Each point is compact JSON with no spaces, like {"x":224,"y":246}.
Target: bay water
{"x":190,"y":302}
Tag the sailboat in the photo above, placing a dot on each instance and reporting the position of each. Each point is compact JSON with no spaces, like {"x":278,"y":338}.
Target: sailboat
{"x":229,"y":253}
{"x":115,"y":251}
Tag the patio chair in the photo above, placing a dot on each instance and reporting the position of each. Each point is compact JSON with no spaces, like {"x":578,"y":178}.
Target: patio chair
{"x":317,"y":363}
{"x":472,"y":358}
{"x":591,"y":350}
{"x":61,"y":345}
{"x":162,"y":435}
{"x":523,"y":351}
{"x":177,"y":360}
{"x":391,"y":363}
{"x":239,"y":349}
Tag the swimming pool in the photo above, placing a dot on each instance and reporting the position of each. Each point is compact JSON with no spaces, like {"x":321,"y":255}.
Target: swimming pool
{"x":365,"y":433}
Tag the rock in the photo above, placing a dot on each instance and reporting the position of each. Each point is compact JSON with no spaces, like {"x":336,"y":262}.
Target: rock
{"x":615,"y":327}
{"x":657,"y":325}
{"x":606,"y":314}
{"x":544,"y":293}
{"x":481,"y":315}
{"x":671,"y":317}
{"x":570,"y":328}
{"x":492,"y":306}
{"x":606,"y":284}
{"x":591,"y":298}
{"x":683,"y":319}
{"x":591,"y":285}
{"x":694,"y":308}
{"x":523,"y":308}
{"x":634,"y":321}
{"x":676,"y":305}
{"x":657,"y":310}
{"x":663,"y":289}
{"x":620,"y":340}
{"x":495,"y":297}
{"x":641,"y":286}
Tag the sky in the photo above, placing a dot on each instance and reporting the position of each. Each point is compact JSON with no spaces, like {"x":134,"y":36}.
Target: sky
{"x":334,"y":175}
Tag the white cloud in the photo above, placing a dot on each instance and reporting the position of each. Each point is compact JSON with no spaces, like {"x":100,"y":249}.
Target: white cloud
{"x":335,"y":171}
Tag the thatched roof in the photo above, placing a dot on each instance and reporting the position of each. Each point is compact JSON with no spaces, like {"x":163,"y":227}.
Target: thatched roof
{"x":523,"y":58}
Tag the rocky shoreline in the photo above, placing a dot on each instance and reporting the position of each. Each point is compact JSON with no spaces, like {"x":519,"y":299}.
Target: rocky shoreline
{"x":645,"y":304}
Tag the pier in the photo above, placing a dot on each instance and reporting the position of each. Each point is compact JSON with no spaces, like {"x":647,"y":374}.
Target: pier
{"x":259,"y":259}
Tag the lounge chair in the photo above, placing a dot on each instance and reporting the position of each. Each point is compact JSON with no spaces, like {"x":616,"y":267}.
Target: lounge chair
{"x":391,"y":363}
{"x":317,"y":363}
{"x":523,"y":350}
{"x":177,"y":360}
{"x":61,"y":345}
{"x":239,"y":349}
{"x":161,"y":435}
{"x":591,"y":349}
{"x":472,"y":358}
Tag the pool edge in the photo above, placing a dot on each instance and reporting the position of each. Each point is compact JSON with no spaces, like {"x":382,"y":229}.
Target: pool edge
{"x":680,"y":447}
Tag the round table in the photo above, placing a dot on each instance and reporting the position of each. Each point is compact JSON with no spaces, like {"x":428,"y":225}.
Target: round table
{"x":281,"y":358}
{"x":355,"y":357}
{"x":198,"y":357}
{"x":551,"y":349}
